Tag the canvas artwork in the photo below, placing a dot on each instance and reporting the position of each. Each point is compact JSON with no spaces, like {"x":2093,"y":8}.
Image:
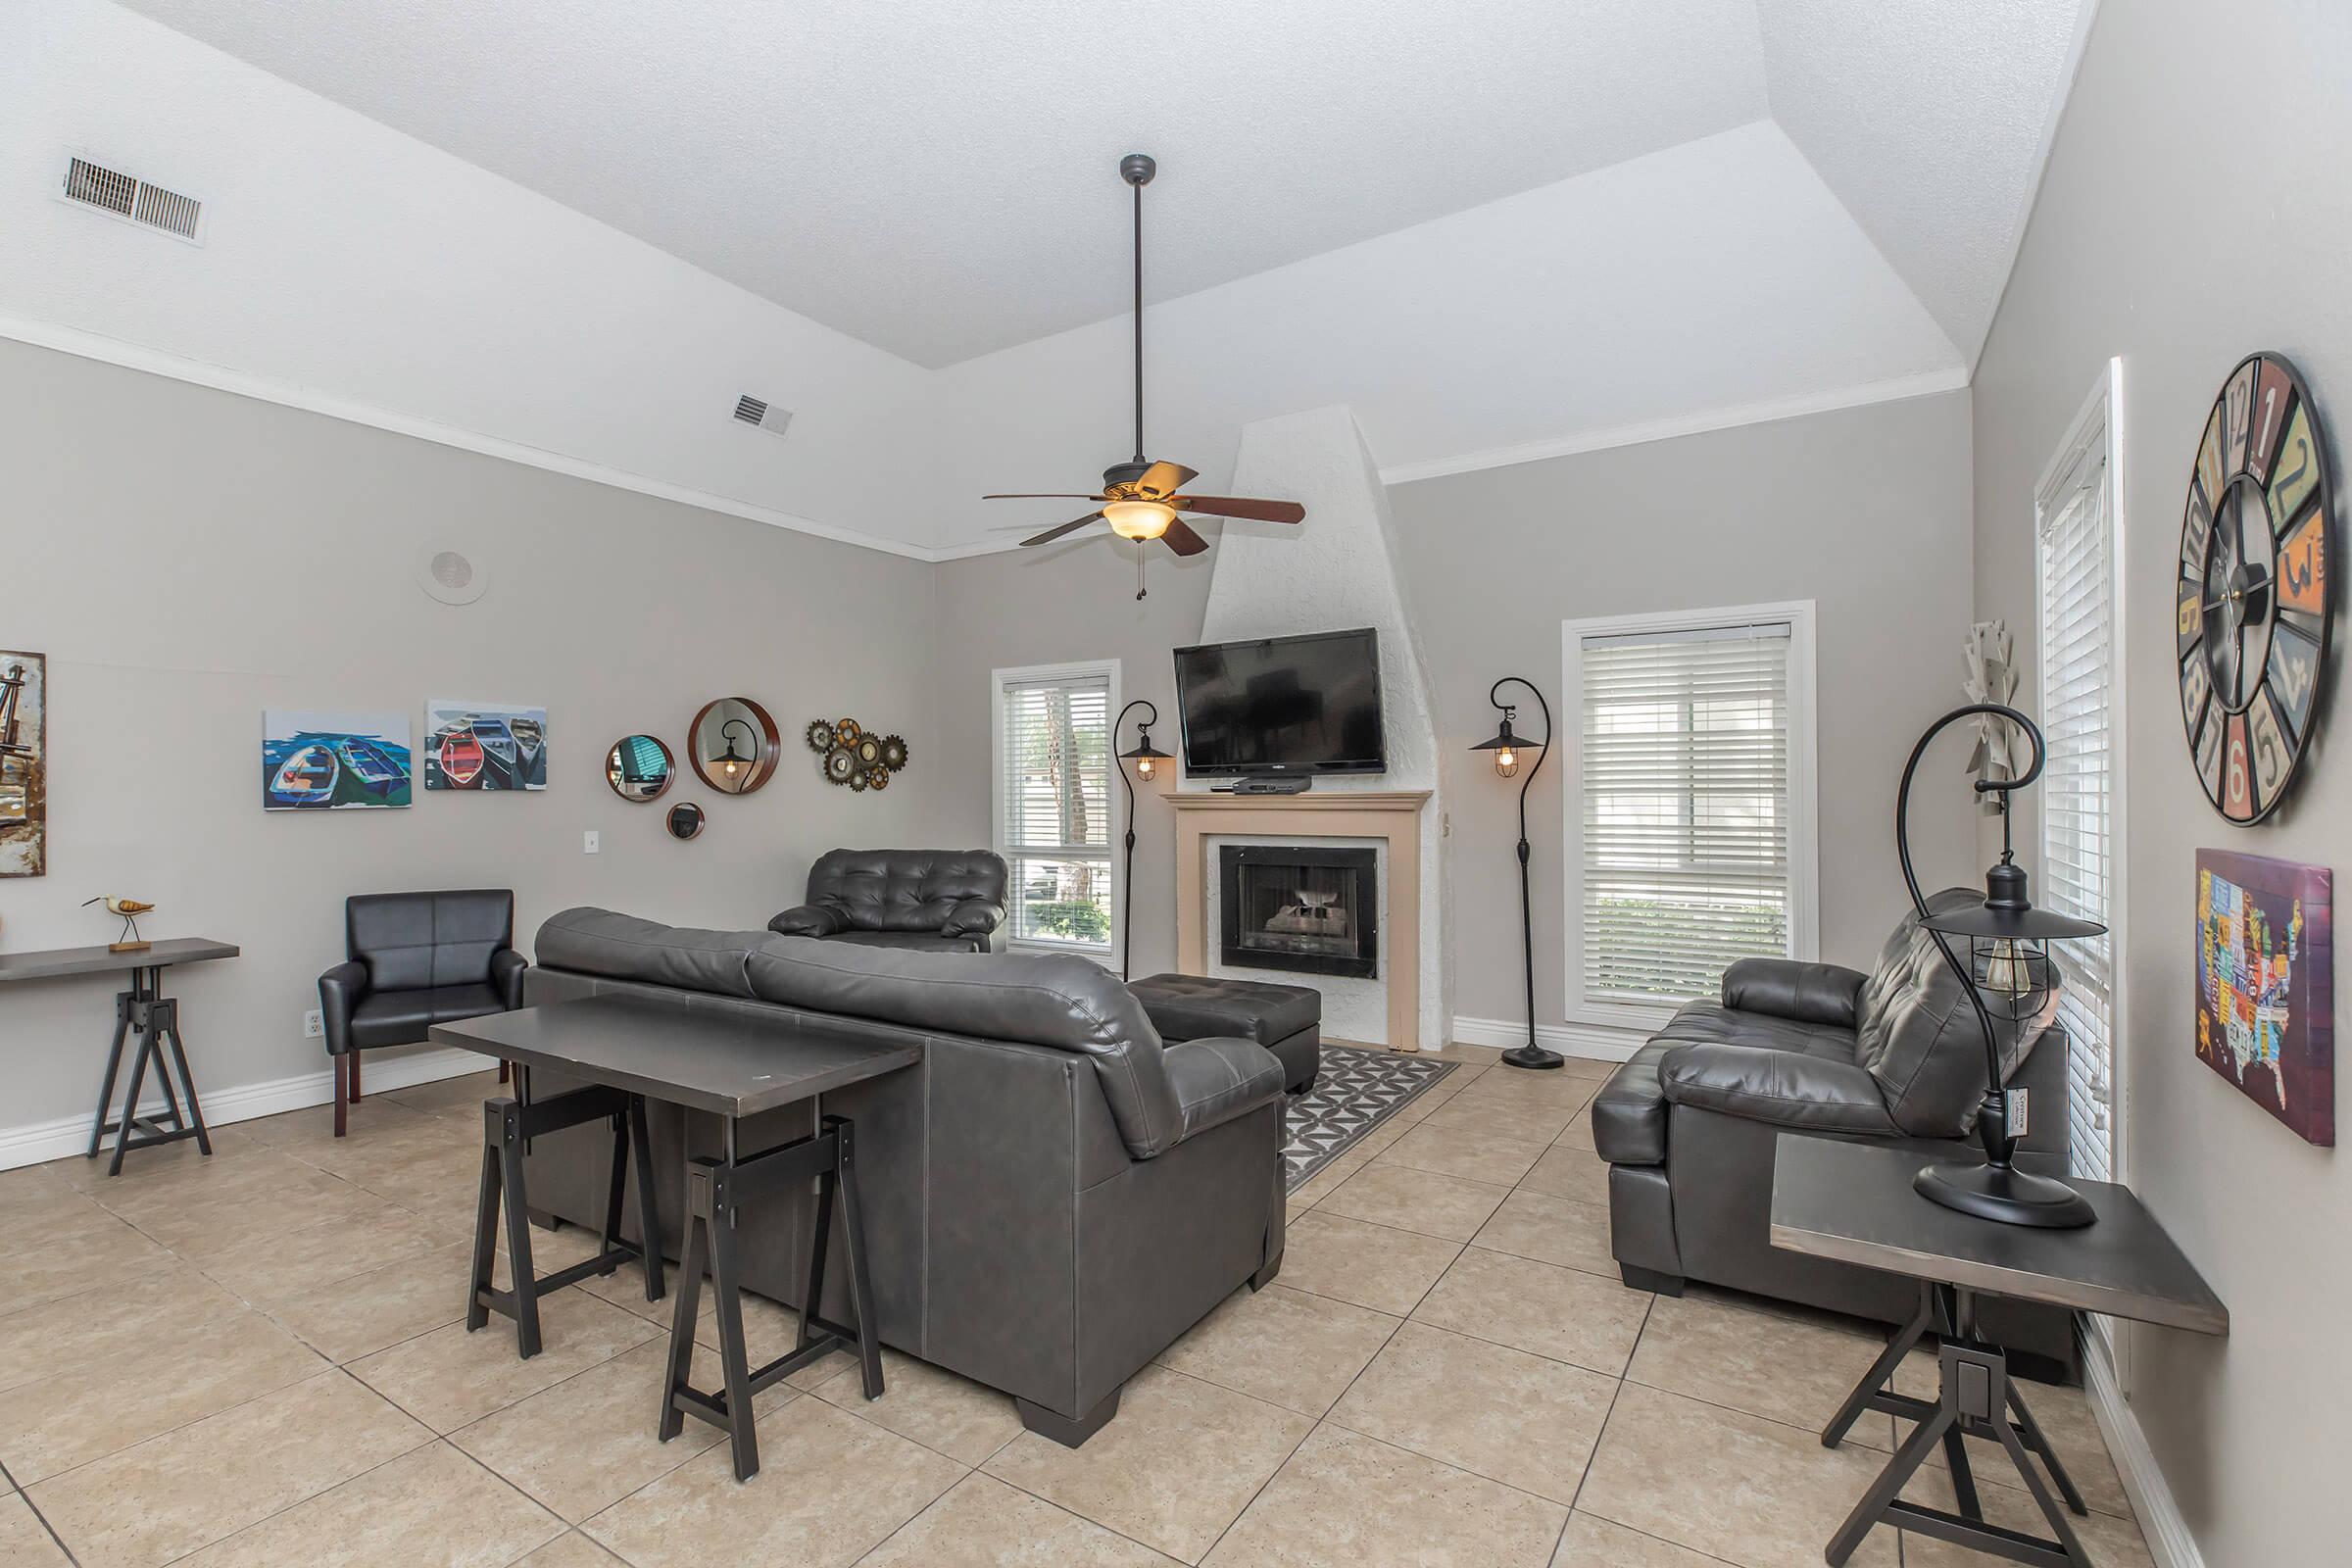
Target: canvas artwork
{"x":23,"y":765}
{"x":330,"y":760}
{"x":2265,"y":985}
{"x":484,"y":745}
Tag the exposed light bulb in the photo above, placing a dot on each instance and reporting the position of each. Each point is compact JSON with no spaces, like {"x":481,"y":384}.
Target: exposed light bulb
{"x":2008,"y":970}
{"x":1139,"y":520}
{"x":1142,"y":767}
{"x":730,"y":765}
{"x":1506,"y":763}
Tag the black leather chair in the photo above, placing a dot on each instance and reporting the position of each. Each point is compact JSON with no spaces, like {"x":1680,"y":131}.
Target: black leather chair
{"x":416,"y":960}
{"x":933,"y":901}
{"x":1896,"y":1056}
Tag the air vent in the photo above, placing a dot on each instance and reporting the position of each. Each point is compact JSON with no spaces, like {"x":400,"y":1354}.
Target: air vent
{"x":134,"y":200}
{"x":452,"y":576}
{"x":761,"y":414}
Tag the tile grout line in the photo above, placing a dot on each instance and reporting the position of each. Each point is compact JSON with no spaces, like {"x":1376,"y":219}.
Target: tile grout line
{"x":41,"y":1518}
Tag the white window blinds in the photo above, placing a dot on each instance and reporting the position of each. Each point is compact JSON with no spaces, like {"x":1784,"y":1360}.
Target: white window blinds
{"x":1054,"y":761}
{"x":2075,"y":564}
{"x":1685,"y":777}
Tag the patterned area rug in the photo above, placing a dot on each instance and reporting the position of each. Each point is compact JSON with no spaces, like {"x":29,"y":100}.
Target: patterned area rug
{"x":1357,"y":1091}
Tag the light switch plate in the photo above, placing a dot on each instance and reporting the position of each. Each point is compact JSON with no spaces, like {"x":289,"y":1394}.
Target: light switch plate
{"x":590,"y":842}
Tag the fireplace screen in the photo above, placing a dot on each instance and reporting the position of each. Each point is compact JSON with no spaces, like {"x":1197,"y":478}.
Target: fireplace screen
{"x":1312,"y":910}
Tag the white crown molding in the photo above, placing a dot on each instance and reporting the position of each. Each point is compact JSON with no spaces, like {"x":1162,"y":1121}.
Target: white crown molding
{"x":311,"y":400}
{"x":37,"y":1142}
{"x":2166,"y":1532}
{"x":1926,"y":384}
{"x":1590,"y":1041}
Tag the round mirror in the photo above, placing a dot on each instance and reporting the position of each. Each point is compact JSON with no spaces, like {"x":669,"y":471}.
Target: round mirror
{"x":685,"y":820}
{"x":733,"y":745}
{"x":638,"y":767}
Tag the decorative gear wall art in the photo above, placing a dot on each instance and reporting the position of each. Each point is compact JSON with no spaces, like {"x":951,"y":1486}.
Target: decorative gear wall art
{"x":849,"y":754}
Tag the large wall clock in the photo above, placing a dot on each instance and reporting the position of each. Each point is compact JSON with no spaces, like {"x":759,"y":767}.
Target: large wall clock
{"x":2253,"y":596}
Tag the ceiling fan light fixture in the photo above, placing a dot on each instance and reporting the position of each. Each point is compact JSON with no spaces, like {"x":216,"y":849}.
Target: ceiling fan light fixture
{"x":1139,"y":520}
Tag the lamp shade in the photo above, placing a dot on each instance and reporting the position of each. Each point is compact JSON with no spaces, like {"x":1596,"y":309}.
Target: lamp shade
{"x":2007,"y":913}
{"x":1504,"y":740}
{"x":1145,"y":749}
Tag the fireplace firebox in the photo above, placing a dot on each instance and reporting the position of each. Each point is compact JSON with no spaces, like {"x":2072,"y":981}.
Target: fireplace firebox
{"x":1302,"y":908}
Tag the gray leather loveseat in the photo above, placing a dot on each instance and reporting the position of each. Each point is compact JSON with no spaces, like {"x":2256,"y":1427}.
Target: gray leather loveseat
{"x":1816,"y":1050}
{"x":1051,"y":1196}
{"x":936,"y":900}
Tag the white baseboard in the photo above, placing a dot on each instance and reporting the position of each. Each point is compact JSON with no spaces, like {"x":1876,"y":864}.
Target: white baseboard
{"x":1593,"y":1042}
{"x":2160,"y":1523}
{"x":37,"y":1142}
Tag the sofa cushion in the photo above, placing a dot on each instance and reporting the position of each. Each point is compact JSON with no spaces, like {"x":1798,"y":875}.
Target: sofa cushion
{"x":622,"y":947}
{"x":1187,"y":1006}
{"x":1920,"y":1038}
{"x":1784,"y":987}
{"x":1711,"y":1023}
{"x":1628,"y":1114}
{"x":1782,"y":1088}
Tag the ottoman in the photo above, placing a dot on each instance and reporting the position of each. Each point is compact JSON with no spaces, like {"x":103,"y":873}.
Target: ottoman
{"x":1287,"y":1020}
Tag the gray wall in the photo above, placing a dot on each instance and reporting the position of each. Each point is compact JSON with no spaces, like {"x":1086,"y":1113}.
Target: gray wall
{"x":2183,"y":250}
{"x":186,"y":558}
{"x":1864,"y":511}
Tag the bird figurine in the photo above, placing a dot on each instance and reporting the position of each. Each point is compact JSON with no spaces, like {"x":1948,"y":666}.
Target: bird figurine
{"x":130,"y":909}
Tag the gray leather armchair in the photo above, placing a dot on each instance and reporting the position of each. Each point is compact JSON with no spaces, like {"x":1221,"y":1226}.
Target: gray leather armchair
{"x":1690,"y":1125}
{"x":937,"y":901}
{"x":413,"y":961}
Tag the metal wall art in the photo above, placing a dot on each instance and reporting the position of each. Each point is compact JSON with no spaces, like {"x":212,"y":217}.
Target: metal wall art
{"x":848,"y":753}
{"x":2265,"y":985}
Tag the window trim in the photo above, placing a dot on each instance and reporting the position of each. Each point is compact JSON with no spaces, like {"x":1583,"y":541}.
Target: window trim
{"x":1109,"y":954}
{"x":2100,"y":418}
{"x":1804,"y":818}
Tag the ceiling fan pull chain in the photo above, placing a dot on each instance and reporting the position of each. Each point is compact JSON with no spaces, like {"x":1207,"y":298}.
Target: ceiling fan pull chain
{"x":1142,"y":557}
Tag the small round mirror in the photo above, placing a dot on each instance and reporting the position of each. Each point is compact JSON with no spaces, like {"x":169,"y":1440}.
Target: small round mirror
{"x":685,"y":820}
{"x":638,"y":767}
{"x":733,"y":745}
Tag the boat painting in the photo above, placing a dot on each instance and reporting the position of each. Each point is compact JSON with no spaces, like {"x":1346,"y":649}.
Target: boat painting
{"x":484,"y":745}
{"x":332,"y":760}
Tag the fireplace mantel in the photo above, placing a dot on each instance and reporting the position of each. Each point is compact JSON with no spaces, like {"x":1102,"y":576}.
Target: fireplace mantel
{"x":1390,"y":816}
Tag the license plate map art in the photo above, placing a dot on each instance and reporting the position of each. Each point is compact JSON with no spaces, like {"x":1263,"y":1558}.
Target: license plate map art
{"x":2265,"y":985}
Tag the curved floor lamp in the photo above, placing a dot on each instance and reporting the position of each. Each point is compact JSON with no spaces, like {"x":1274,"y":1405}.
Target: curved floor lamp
{"x":1146,"y":757}
{"x":2008,"y":947}
{"x":1507,"y":748}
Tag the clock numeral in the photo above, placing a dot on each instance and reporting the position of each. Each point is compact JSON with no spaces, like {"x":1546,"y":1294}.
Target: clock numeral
{"x":2270,"y":398}
{"x":2303,"y":568}
{"x":2238,"y":403}
{"x":2237,"y":795}
{"x":2298,"y":473}
{"x":2192,"y":613}
{"x":2294,"y":675}
{"x":2272,"y":758}
{"x":2209,"y":460}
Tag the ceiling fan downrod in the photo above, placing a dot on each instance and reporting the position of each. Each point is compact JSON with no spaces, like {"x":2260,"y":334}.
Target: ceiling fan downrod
{"x":1137,"y":170}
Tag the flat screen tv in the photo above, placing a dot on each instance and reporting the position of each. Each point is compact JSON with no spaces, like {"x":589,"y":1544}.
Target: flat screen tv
{"x":1283,"y":705}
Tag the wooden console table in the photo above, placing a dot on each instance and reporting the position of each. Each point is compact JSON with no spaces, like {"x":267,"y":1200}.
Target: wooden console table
{"x":154,"y":1018}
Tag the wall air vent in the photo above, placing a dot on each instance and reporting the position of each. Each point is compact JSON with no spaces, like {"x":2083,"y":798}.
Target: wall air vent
{"x":761,"y":414}
{"x":133,"y":200}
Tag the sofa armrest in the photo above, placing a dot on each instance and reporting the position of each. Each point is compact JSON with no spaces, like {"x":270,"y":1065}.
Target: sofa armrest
{"x":1803,"y":993}
{"x":1780,"y":1087}
{"x":1628,"y":1114}
{"x":339,"y":992}
{"x":973,"y":917}
{"x":1218,"y":1079}
{"x":507,"y":969}
{"x":808,"y":921}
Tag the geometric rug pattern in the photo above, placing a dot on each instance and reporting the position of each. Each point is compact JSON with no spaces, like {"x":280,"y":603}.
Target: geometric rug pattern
{"x":1357,"y":1091}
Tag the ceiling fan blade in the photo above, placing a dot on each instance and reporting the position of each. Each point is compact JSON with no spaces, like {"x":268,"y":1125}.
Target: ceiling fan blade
{"x":1242,"y":507}
{"x":1046,"y":495}
{"x":1052,"y":534}
{"x":1181,"y":538}
{"x":1163,"y":479}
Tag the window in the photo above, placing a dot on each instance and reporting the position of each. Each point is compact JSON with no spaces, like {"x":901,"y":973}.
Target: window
{"x":1053,"y":804}
{"x":1689,"y":749}
{"x":2075,"y":559}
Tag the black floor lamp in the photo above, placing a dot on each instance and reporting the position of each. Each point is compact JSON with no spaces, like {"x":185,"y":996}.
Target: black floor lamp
{"x":1507,"y":748}
{"x":1147,"y":758}
{"x":2009,"y":955}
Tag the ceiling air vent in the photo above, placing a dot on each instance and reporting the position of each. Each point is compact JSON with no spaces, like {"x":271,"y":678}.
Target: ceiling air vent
{"x":133,"y":200}
{"x":759,"y":414}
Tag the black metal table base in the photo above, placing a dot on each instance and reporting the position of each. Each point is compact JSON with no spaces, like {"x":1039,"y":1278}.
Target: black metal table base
{"x":1978,"y":1399}
{"x":507,"y":1125}
{"x":715,"y":1191}
{"x":144,"y":1011}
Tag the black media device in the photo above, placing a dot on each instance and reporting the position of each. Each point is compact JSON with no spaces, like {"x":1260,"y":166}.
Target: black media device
{"x":1281,"y":708}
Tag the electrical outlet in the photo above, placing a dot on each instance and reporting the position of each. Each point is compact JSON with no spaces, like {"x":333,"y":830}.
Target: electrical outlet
{"x":313,"y":1026}
{"x":590,"y":842}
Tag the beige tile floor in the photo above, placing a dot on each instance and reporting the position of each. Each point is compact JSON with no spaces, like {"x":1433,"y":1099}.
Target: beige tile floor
{"x":258,"y":1359}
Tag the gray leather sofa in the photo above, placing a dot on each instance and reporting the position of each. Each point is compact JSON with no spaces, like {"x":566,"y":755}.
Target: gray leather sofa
{"x":1816,"y":1050}
{"x":935,"y":900}
{"x":1051,"y":1196}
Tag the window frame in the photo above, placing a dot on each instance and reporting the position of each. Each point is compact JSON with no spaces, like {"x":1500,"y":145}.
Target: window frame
{"x":1804,"y":823}
{"x":1109,"y":954}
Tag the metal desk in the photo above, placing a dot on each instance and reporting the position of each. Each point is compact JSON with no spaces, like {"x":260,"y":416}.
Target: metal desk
{"x":725,"y":1064}
{"x":154,"y":1018}
{"x":1854,"y":1203}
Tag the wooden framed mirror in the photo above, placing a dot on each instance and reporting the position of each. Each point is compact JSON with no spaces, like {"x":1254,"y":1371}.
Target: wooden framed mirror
{"x":685,"y":820}
{"x":639,"y":767}
{"x":733,"y":745}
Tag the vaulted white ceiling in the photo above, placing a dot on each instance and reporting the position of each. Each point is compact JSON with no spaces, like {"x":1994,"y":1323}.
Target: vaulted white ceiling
{"x":938,"y":178}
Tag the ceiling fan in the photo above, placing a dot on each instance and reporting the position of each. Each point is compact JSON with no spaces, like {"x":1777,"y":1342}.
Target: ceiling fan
{"x":1141,"y":499}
